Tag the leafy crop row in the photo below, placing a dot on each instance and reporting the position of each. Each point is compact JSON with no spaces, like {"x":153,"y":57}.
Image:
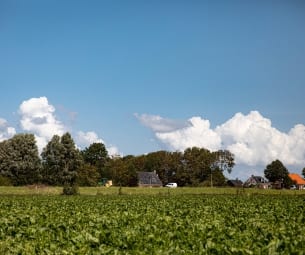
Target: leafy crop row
{"x":185,"y":224}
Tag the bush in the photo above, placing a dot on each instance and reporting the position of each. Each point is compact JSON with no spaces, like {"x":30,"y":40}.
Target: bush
{"x":5,"y":181}
{"x":70,"y":190}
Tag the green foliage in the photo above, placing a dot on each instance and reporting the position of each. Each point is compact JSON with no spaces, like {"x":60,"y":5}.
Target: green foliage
{"x":5,"y":181}
{"x":197,"y":164}
{"x":96,"y":155}
{"x":70,"y":190}
{"x":124,"y":171}
{"x":276,"y":171}
{"x":147,"y":224}
{"x":88,"y":176}
{"x":19,"y":159}
{"x":303,"y":172}
{"x":61,"y":161}
{"x":191,"y":168}
{"x":52,"y":162}
{"x":71,"y":160}
{"x":165,"y":163}
{"x":218,"y":179}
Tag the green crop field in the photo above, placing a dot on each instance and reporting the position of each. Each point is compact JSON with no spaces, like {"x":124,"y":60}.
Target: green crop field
{"x":49,"y":190}
{"x":151,"y":221}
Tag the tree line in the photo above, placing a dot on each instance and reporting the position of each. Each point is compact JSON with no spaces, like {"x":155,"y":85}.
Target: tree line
{"x":61,"y":163}
{"x":276,"y":172}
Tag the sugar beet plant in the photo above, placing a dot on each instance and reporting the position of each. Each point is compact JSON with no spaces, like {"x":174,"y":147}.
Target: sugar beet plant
{"x":143,"y":224}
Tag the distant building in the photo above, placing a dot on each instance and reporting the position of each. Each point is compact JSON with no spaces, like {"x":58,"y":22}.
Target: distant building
{"x":257,"y":182}
{"x":235,"y":183}
{"x":149,"y":179}
{"x":297,"y":180}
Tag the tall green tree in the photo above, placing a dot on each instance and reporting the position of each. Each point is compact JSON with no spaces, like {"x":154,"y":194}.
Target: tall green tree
{"x":5,"y":159}
{"x":96,"y":155}
{"x":303,"y":172}
{"x":215,"y":178}
{"x":164,"y":163}
{"x":52,"y":162}
{"x":61,"y":161}
{"x":19,"y":160}
{"x":197,"y":164}
{"x":276,"y":171}
{"x":71,"y":160}
{"x":124,"y":171}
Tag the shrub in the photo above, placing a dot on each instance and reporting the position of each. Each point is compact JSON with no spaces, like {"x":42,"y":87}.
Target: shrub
{"x":70,"y":190}
{"x":5,"y":181}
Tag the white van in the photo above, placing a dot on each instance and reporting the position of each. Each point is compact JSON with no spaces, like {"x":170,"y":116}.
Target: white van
{"x":171,"y":185}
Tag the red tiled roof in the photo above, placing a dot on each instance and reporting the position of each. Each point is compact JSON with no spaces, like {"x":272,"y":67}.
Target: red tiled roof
{"x":297,"y":179}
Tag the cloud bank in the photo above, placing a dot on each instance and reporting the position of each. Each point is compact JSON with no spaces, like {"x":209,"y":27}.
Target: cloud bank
{"x":250,"y":137}
{"x":38,"y":116}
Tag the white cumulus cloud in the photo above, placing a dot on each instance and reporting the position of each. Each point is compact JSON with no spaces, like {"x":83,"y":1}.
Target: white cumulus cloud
{"x":84,"y":139}
{"x":6,"y":131}
{"x":255,"y":142}
{"x":198,"y":133}
{"x":251,"y":137}
{"x":38,"y":117}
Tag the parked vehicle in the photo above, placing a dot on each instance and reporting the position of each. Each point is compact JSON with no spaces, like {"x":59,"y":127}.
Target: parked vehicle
{"x":293,"y":187}
{"x":171,"y":185}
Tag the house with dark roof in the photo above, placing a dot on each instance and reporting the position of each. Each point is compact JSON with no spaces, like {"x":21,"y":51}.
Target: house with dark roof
{"x":297,"y":180}
{"x":235,"y":183}
{"x":149,"y":179}
{"x":257,"y":182}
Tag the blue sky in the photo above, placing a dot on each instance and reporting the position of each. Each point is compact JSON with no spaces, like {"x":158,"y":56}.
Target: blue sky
{"x":118,"y":68}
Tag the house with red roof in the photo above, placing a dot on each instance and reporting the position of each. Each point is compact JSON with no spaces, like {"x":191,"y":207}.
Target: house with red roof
{"x":297,"y":180}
